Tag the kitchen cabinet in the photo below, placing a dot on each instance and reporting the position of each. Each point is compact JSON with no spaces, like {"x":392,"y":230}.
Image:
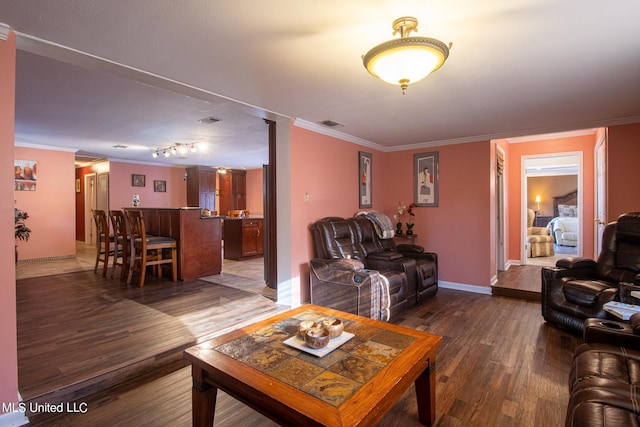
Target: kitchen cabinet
{"x":243,"y":238}
{"x":233,"y":191}
{"x":201,"y":187}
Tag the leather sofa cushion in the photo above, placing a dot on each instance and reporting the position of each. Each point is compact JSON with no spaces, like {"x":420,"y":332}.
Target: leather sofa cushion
{"x":583,"y":292}
{"x":628,"y":256}
{"x":385,"y":256}
{"x":599,"y":402}
{"x":605,"y":361}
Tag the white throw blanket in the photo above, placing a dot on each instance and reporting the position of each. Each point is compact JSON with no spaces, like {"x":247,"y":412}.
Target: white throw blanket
{"x":381,"y":223}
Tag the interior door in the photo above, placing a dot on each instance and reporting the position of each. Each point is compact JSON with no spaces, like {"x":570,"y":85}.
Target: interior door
{"x":600,"y":219}
{"x":500,"y":214}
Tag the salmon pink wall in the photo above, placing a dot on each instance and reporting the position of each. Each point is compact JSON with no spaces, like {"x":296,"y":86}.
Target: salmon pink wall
{"x":584,"y":144}
{"x":326,"y":169}
{"x":255,"y":203}
{"x":8,"y":337}
{"x":458,"y":230}
{"x":51,"y":207}
{"x":121,"y":191}
{"x":623,"y":154}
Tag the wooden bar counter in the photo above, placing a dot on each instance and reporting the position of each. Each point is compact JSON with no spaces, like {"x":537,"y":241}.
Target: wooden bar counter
{"x":198,"y":238}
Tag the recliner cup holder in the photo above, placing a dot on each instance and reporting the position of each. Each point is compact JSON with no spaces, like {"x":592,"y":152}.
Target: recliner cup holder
{"x":611,"y":325}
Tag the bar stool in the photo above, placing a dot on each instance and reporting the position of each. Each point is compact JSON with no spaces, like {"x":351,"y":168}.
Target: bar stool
{"x":147,"y":250}
{"x":121,"y":250}
{"x":104,"y":241}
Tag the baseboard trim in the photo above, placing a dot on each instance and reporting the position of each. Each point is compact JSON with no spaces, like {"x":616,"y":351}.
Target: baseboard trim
{"x":512,"y":263}
{"x":45,"y":259}
{"x":462,"y":287}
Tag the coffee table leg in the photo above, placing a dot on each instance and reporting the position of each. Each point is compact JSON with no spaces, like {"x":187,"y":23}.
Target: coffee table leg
{"x":203,"y":399}
{"x":426,"y":394}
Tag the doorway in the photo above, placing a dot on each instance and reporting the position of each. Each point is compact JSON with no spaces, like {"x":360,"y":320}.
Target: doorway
{"x":551,"y":182}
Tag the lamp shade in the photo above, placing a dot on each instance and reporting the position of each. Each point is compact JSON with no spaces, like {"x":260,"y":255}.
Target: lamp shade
{"x":538,"y":200}
{"x":408,"y":59}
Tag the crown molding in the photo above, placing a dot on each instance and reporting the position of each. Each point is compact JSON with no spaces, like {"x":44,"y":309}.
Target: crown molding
{"x":44,"y":147}
{"x":314,"y":127}
{"x":4,"y":31}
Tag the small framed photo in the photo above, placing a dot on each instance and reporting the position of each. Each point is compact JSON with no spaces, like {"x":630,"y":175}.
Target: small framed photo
{"x":137,"y":180}
{"x":425,"y":179}
{"x":364,"y":179}
{"x":160,"y":186}
{"x":77,"y":185}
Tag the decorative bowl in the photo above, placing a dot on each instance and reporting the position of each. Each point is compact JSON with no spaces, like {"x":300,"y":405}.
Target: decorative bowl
{"x":334,"y":326}
{"x":304,"y":325}
{"x":316,"y":337}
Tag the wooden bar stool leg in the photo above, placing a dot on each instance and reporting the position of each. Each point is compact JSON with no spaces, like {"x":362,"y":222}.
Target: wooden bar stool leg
{"x":174,"y":263}
{"x":143,"y":267}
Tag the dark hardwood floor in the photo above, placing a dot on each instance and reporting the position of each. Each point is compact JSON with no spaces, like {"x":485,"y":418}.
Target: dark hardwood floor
{"x":500,"y":364}
{"x":523,"y":282}
{"x":94,"y":331}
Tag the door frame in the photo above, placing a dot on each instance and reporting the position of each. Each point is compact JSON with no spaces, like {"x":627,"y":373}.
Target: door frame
{"x":89,"y":204}
{"x":600,"y":175}
{"x":525,"y":160}
{"x":500,"y":191}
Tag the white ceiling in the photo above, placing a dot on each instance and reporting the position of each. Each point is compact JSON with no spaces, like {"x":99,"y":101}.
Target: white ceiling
{"x":516,"y":68}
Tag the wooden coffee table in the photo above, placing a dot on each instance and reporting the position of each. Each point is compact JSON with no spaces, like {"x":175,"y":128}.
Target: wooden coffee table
{"x":354,"y":385}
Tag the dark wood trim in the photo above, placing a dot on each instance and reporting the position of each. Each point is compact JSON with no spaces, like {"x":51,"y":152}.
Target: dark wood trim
{"x":270,"y":212}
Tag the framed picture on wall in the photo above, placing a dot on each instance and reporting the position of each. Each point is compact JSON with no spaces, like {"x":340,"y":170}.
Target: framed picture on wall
{"x":160,"y":186}
{"x":425,"y":179}
{"x":137,"y":180}
{"x":364,"y":179}
{"x":26,"y":173}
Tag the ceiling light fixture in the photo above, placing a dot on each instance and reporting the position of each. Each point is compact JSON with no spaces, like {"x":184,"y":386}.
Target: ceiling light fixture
{"x":408,"y":59}
{"x":177,"y":148}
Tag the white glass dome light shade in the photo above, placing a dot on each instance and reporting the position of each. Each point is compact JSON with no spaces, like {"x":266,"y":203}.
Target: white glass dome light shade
{"x":407,"y":59}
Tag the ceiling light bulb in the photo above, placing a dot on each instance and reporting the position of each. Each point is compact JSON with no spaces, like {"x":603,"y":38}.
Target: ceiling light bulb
{"x":155,"y":154}
{"x":193,"y":148}
{"x":173,"y":150}
{"x":166,"y":153}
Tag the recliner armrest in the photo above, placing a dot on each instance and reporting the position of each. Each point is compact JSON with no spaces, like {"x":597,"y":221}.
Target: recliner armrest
{"x":410,"y":249}
{"x":612,"y":332}
{"x":576,"y":263}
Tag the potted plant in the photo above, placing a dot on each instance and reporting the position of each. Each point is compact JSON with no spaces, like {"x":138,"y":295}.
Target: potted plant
{"x":410,"y":220}
{"x":22,"y":231}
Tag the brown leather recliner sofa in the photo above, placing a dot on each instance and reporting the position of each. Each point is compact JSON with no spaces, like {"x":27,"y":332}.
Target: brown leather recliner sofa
{"x":356,"y":271}
{"x":577,"y":288}
{"x":604,"y":382}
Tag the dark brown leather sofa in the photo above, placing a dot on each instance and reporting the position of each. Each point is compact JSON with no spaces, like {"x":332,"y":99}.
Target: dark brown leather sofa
{"x":604,"y":382}
{"x":577,"y":288}
{"x":353,"y":270}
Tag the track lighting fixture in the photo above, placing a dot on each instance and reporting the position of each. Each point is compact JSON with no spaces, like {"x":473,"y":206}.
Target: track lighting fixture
{"x":175,"y":149}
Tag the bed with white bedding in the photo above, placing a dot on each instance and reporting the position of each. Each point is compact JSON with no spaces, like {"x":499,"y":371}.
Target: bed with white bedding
{"x":564,"y":225}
